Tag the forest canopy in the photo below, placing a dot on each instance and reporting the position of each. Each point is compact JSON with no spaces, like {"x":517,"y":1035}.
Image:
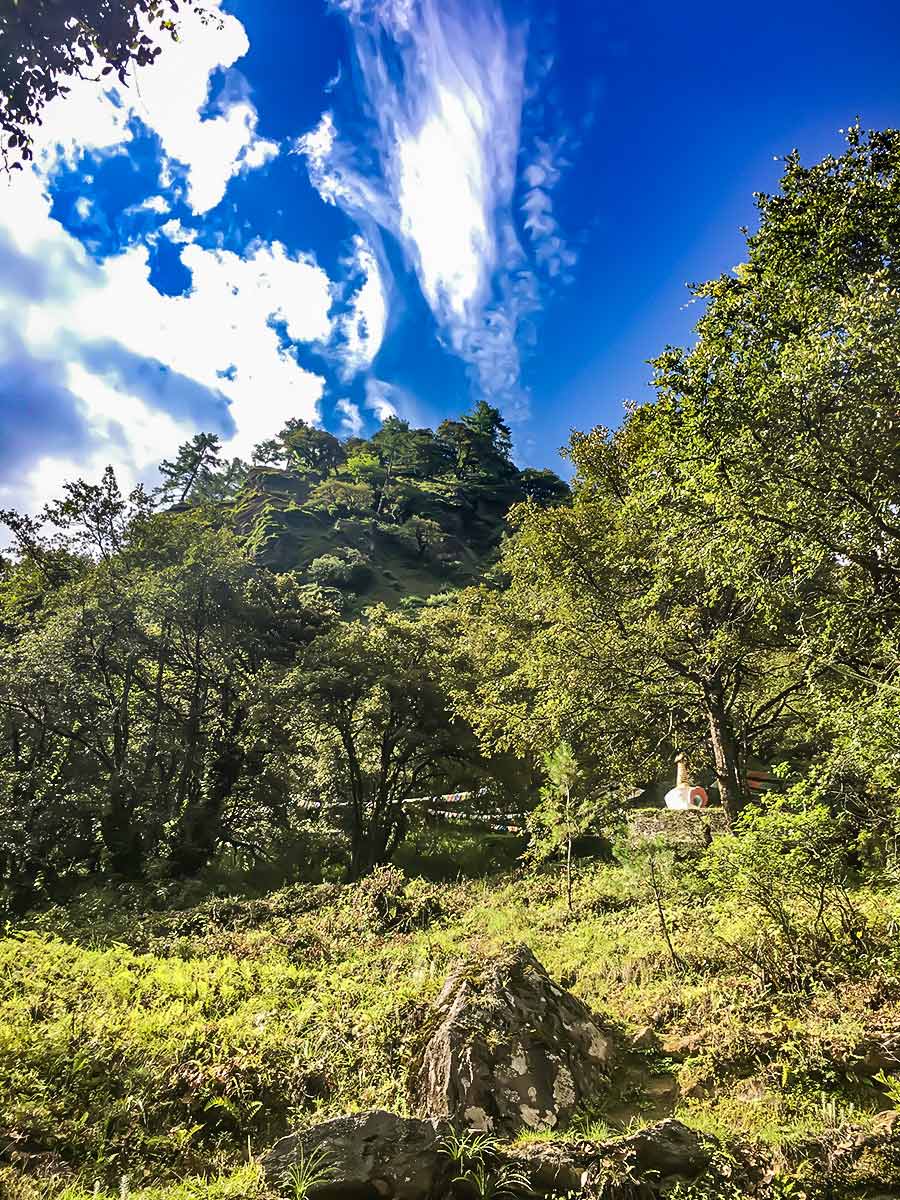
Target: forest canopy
{"x":340,"y":625}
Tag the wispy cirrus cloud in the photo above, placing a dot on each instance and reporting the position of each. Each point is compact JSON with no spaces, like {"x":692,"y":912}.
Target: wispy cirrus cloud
{"x":540,"y":177}
{"x":359,"y":325}
{"x":382,"y":398}
{"x":351,"y":417}
{"x":444,"y":86}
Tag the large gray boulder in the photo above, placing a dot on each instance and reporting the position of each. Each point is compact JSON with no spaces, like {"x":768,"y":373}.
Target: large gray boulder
{"x":366,"y":1156}
{"x":512,"y":1050}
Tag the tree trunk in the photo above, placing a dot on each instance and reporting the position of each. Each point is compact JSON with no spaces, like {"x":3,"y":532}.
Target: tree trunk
{"x":121,"y":833}
{"x":725,"y":755}
{"x":569,"y":848}
{"x":200,"y":830}
{"x":373,"y":844}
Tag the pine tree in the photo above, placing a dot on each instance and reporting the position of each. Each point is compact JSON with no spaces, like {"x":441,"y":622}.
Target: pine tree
{"x":193,"y":467}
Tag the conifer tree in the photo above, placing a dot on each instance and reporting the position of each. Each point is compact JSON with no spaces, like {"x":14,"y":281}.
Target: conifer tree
{"x":192,"y":468}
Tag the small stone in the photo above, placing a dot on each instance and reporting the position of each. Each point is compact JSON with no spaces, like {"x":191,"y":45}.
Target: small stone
{"x":645,"y":1038}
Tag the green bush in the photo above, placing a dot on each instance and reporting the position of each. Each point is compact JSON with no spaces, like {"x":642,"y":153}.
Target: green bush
{"x":786,"y":879}
{"x":346,"y":569}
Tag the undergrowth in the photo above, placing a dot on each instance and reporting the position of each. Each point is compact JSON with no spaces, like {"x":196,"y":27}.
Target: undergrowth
{"x":171,"y":1048}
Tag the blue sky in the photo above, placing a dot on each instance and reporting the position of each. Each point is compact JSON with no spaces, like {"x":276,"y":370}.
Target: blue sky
{"x":346,"y":209}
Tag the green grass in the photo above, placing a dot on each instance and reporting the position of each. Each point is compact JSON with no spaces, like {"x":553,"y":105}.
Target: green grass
{"x":242,"y":1184}
{"x":174,"y":1047}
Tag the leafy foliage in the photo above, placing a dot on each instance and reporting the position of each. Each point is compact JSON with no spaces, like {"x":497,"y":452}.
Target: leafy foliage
{"x":45,"y":42}
{"x":346,"y":570}
{"x":723,"y":581}
{"x":372,"y":723}
{"x":562,"y":813}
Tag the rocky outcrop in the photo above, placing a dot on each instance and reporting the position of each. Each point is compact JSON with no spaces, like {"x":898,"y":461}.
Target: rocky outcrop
{"x":380,"y":1156}
{"x":367,"y":1155}
{"x":685,"y":832}
{"x":659,"y":1154}
{"x":512,"y":1049}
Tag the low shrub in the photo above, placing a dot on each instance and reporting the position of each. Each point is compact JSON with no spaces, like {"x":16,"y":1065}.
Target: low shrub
{"x":786,"y":881}
{"x":347,"y":569}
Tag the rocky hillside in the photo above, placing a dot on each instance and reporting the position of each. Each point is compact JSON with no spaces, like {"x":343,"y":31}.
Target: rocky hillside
{"x":400,"y":516}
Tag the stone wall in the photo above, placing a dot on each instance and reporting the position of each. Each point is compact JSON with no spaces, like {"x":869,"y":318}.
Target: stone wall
{"x":680,"y":830}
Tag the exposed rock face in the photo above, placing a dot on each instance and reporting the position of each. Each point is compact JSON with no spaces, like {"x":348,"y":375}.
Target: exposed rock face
{"x":367,"y":1156}
{"x":658,"y":1154}
{"x":380,"y":1156}
{"x":683,"y":831}
{"x":512,"y":1051}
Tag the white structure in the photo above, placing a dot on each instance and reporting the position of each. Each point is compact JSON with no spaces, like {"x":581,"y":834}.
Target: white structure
{"x":682,"y":795}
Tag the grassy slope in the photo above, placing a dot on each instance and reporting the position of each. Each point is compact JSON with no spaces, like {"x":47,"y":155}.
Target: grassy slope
{"x":176,"y":1047}
{"x":283,"y":533}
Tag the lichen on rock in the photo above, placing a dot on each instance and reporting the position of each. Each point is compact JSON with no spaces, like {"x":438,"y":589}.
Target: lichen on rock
{"x":511,"y":1049}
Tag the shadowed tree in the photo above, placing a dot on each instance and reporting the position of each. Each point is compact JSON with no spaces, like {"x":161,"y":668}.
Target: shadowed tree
{"x":43,"y":43}
{"x":369,"y":715}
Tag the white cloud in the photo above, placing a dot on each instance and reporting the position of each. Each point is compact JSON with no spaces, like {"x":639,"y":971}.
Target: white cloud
{"x":334,"y":174}
{"x":167,"y":96}
{"x":218,"y":337}
{"x":380,"y":398}
{"x":445,"y":84}
{"x":541,"y":177}
{"x":122,"y":422}
{"x":176,"y":232}
{"x":335,"y":79}
{"x":131,"y":372}
{"x":360,"y":330}
{"x":157,"y":204}
{"x":83,"y":207}
{"x":352,"y":420}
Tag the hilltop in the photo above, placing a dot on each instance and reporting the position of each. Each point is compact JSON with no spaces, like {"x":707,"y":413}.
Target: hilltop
{"x":392,"y":518}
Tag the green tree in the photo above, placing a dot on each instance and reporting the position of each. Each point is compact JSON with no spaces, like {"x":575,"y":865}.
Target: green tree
{"x":631,"y":619}
{"x":369,"y":715}
{"x":788,"y":402}
{"x":341,"y":498}
{"x":544,"y":487}
{"x":366,"y":468}
{"x":193,"y":469}
{"x":347,"y":569}
{"x":562,"y":815}
{"x":426,"y":535}
{"x":311,"y":448}
{"x":728,"y":570}
{"x":270,"y":453}
{"x":426,"y":457}
{"x":487,"y":423}
{"x":393,"y":443}
{"x":222,"y":484}
{"x":479,"y":446}
{"x":129,"y":692}
{"x":789,"y":389}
